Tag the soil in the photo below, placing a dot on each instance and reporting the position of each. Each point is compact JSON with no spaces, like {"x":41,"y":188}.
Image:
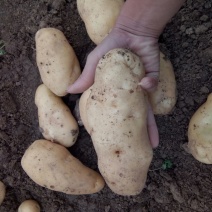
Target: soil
{"x":186,"y":40}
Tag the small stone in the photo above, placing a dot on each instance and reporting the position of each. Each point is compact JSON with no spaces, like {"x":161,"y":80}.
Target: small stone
{"x":176,"y":193}
{"x":201,"y":29}
{"x":189,"y":31}
{"x":183,"y":28}
{"x":185,"y":45}
{"x":204,"y":18}
{"x":204,"y":89}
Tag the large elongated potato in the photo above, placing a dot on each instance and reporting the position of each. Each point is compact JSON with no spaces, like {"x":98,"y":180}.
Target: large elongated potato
{"x":164,"y":98}
{"x":56,"y":60}
{"x":56,"y":122}
{"x":52,"y":166}
{"x":116,"y":113}
{"x":200,"y":133}
{"x":99,"y":16}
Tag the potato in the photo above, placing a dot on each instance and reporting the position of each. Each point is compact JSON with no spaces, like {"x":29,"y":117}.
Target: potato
{"x":52,"y":166}
{"x":99,"y":16}
{"x":29,"y":206}
{"x":200,"y":133}
{"x":56,"y":60}
{"x":163,"y":99}
{"x":2,"y":192}
{"x":116,"y":117}
{"x":56,"y":122}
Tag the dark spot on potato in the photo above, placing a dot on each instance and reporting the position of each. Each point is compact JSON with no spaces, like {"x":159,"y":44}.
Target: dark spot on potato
{"x":74,"y":132}
{"x":39,"y":169}
{"x":61,"y":125}
{"x":114,"y":95}
{"x":92,"y":97}
{"x":131,"y":91}
{"x":55,"y":35}
{"x":129,"y":146}
{"x":51,"y":186}
{"x":74,"y":140}
{"x":41,"y":63}
{"x":117,"y":152}
{"x":47,"y":72}
{"x":121,"y":175}
{"x":121,"y":53}
{"x":113,"y":183}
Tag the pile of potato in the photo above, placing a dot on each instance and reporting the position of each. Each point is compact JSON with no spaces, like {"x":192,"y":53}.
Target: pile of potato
{"x":47,"y":161}
{"x":113,"y":111}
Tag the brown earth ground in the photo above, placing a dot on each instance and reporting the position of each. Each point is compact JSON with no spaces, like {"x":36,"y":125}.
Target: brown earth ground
{"x":187,"y":41}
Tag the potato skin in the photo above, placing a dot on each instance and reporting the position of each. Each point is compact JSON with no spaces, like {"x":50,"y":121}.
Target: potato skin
{"x":99,"y":16}
{"x":116,"y":115}
{"x":164,"y":98}
{"x":56,"y":60}
{"x":56,"y":122}
{"x":29,"y":206}
{"x":200,"y":133}
{"x":2,"y":192}
{"x":52,"y":166}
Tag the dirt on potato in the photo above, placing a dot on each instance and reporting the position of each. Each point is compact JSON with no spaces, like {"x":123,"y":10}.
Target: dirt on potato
{"x":186,"y":186}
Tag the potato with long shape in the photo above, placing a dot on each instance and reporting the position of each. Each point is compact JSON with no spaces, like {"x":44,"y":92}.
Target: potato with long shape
{"x":52,"y":166}
{"x":56,"y":121}
{"x":115,"y":114}
{"x":56,"y":60}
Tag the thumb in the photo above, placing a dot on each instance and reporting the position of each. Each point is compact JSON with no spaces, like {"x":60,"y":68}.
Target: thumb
{"x":86,"y":79}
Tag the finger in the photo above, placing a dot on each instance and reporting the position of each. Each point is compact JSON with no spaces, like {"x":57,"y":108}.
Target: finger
{"x":149,"y":83}
{"x":148,"y":50}
{"x":86,"y":79}
{"x":152,"y":128}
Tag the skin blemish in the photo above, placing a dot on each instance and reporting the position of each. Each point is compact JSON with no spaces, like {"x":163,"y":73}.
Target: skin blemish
{"x":74,"y":132}
{"x":117,"y":152}
{"x":52,"y":187}
{"x":47,"y":72}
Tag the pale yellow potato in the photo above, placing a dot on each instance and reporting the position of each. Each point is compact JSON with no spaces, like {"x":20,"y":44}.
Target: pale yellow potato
{"x":99,"y":16}
{"x":56,"y":60}
{"x":2,"y":192}
{"x":56,"y":121}
{"x":29,"y":206}
{"x":52,"y":166}
{"x":116,"y":119}
{"x":164,"y":98}
{"x":200,"y":133}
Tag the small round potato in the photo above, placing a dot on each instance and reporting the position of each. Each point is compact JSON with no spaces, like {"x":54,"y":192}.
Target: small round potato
{"x":29,"y":206}
{"x":164,"y":98}
{"x":56,"y":60}
{"x":56,"y":122}
{"x":99,"y":16}
{"x":2,"y":192}
{"x":200,"y":133}
{"x":52,"y":166}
